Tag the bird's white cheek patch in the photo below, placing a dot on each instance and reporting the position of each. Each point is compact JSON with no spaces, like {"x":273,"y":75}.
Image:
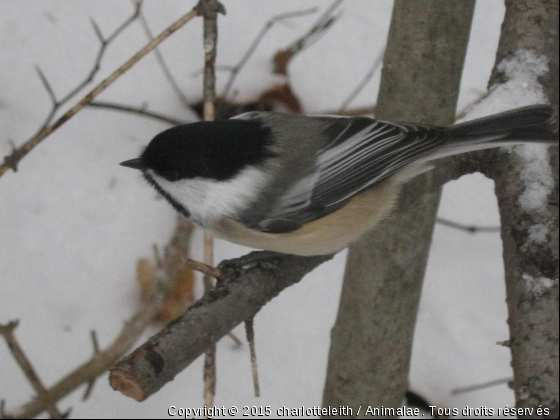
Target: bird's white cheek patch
{"x":208,"y":200}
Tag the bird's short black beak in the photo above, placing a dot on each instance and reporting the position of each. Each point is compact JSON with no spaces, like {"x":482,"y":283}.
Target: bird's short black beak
{"x":134,"y":163}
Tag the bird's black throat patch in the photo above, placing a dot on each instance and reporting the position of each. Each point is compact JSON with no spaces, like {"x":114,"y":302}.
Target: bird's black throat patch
{"x":214,"y":150}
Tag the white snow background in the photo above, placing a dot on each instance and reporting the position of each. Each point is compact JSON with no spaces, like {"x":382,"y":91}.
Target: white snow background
{"x":73,"y":222}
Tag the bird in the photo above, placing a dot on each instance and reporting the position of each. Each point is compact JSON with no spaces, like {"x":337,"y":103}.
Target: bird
{"x":311,"y":185}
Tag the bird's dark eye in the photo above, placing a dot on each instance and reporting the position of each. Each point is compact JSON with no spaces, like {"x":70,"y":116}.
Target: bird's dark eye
{"x":170,"y":175}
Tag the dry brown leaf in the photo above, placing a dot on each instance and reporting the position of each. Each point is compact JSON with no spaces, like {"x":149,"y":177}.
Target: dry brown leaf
{"x":281,"y":60}
{"x":281,"y":96}
{"x":145,"y":275}
{"x":180,"y":298}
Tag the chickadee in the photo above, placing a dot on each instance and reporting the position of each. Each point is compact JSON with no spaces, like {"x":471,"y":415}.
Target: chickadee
{"x":310,"y":185}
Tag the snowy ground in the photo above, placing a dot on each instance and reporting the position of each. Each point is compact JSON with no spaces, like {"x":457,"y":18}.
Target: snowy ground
{"x":73,"y":222}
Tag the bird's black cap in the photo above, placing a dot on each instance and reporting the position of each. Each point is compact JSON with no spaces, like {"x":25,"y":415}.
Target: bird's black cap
{"x":216,"y":150}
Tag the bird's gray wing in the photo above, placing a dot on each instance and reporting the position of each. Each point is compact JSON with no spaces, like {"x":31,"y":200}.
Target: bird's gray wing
{"x":362,"y":153}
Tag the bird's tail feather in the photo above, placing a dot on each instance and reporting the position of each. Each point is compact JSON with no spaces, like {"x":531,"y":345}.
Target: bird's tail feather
{"x":531,"y":124}
{"x":537,"y":123}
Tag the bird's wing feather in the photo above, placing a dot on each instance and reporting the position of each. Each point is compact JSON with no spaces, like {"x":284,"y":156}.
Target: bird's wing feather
{"x":363,"y":152}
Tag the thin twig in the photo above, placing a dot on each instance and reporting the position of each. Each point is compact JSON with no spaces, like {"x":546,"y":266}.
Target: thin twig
{"x":205,"y":269}
{"x":481,"y":386}
{"x":325,"y":21}
{"x":91,"y":384}
{"x":48,"y":87}
{"x":364,"y":82}
{"x":138,"y":111}
{"x":235,"y":339}
{"x":172,"y":82}
{"x":8,"y":332}
{"x":210,"y":9}
{"x":250,"y":331}
{"x":234,"y":70}
{"x":98,"y":364}
{"x":463,"y":112}
{"x":472,"y":229}
{"x":233,"y":301}
{"x":144,"y":317}
{"x":12,"y":161}
{"x":104,"y":44}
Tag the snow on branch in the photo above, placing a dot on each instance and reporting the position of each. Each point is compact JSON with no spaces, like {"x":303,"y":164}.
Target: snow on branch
{"x":526,"y":177}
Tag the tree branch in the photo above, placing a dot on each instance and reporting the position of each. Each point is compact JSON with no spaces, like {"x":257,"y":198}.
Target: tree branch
{"x":238,"y":298}
{"x":12,"y":161}
{"x":250,"y":333}
{"x":369,"y":75}
{"x":326,"y":20}
{"x":242,"y":295}
{"x":8,"y":332}
{"x":209,"y":9}
{"x":96,"y":350}
{"x":472,"y":229}
{"x":167,"y":73}
{"x":234,"y":70}
{"x":102,"y":360}
{"x":527,"y":189}
{"x":371,"y":341}
{"x":138,"y":111}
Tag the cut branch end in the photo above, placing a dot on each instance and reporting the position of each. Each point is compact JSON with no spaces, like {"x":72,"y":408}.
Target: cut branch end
{"x":127,"y":384}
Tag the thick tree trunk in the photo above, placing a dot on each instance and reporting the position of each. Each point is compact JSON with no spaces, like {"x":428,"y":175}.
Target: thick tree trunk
{"x":530,"y":232}
{"x":372,"y":338}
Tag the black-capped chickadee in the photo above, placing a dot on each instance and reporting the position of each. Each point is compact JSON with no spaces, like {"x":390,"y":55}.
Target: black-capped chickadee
{"x":311,"y":185}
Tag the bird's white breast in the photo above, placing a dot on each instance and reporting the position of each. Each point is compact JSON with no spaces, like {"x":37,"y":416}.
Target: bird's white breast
{"x":208,"y":199}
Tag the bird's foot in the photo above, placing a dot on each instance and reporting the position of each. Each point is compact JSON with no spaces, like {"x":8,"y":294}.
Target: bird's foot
{"x":267,"y":260}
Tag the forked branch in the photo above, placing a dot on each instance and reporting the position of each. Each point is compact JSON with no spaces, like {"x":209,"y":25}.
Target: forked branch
{"x":12,"y":161}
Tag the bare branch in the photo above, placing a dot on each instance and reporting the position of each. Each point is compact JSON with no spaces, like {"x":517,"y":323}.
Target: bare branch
{"x":172,"y":82}
{"x":371,"y":341}
{"x":138,"y":111}
{"x":235,"y":339}
{"x":96,"y":350}
{"x":11,"y":161}
{"x":532,"y":266}
{"x":250,"y":331}
{"x":260,"y":36}
{"x":97,"y":31}
{"x":47,"y":86}
{"x":8,"y":332}
{"x":376,"y":65}
{"x":205,"y":269}
{"x":239,"y":297}
{"x":104,"y":44}
{"x":137,"y":10}
{"x":209,"y":9}
{"x":473,"y":229}
{"x":325,"y":21}
{"x":173,"y":263}
{"x":484,"y":385}
{"x":233,"y":301}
